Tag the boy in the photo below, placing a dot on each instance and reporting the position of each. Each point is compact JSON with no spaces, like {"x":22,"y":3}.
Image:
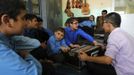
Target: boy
{"x":32,"y":24}
{"x":72,"y":33}
{"x":39,"y":53}
{"x":57,"y":45}
{"x":12,"y":22}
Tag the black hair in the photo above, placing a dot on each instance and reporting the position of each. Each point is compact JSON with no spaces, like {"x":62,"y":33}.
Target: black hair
{"x":11,"y":8}
{"x":60,"y":29}
{"x":68,"y":20}
{"x":73,"y":19}
{"x":30,"y":16}
{"x":93,"y":17}
{"x":104,"y":11}
{"x":39,"y":19}
{"x":113,"y":18}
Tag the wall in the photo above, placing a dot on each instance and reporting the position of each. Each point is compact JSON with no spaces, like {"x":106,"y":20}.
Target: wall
{"x":96,"y":6}
{"x":54,"y":13}
{"x":128,"y":23}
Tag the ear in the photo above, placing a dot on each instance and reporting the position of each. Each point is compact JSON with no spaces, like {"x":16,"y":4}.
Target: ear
{"x":54,"y":33}
{"x":70,"y":24}
{"x":5,"y":19}
{"x":28,"y":22}
{"x":110,"y":25}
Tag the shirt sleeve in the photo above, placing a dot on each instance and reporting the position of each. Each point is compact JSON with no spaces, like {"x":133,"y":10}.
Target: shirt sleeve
{"x":112,"y":48}
{"x":93,"y":23}
{"x":54,"y":48}
{"x":85,"y":35}
{"x":25,"y":43}
{"x":64,"y":43}
{"x":68,"y":42}
{"x":12,"y":64}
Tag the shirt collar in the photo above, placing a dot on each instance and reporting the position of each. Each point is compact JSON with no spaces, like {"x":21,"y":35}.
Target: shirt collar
{"x":69,"y":29}
{"x":116,"y":29}
{"x":4,"y":39}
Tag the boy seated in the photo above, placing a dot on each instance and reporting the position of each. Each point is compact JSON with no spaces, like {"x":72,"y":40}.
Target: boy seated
{"x":57,"y":46}
{"x":12,"y":22}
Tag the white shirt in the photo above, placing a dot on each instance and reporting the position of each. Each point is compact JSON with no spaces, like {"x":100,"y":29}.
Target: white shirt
{"x":121,"y":49}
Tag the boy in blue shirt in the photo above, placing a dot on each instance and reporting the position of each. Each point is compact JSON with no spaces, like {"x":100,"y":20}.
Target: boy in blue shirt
{"x":72,"y":33}
{"x":57,"y":45}
{"x":12,"y":22}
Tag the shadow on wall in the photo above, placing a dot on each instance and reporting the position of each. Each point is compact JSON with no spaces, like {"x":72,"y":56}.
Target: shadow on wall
{"x":54,"y":14}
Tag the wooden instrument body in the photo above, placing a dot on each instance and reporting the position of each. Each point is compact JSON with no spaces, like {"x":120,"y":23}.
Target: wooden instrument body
{"x":85,"y":8}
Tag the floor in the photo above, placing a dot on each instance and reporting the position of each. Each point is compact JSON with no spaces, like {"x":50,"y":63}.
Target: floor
{"x":64,"y":69}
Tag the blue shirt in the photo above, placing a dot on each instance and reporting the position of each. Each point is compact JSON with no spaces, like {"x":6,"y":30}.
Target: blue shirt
{"x":25,"y":43}
{"x":87,"y":23}
{"x":48,"y":31}
{"x":54,"y":45}
{"x":12,"y":64}
{"x":29,"y":32}
{"x":72,"y":36}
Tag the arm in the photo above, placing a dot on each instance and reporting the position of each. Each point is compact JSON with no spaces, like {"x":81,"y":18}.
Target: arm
{"x":68,"y":42}
{"x":66,"y":47}
{"x":25,"y":43}
{"x":17,"y":65}
{"x":110,"y":54}
{"x":86,"y":36}
{"x":102,"y":59}
{"x":64,"y":43}
{"x":52,"y":44}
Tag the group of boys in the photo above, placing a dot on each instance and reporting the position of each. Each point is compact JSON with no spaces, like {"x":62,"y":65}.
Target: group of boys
{"x":15,"y":57}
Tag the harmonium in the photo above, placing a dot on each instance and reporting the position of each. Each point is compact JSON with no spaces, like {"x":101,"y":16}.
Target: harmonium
{"x":73,"y":55}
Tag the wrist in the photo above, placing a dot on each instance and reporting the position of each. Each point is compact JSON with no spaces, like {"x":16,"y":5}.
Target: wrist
{"x":88,"y":58}
{"x":71,"y":45}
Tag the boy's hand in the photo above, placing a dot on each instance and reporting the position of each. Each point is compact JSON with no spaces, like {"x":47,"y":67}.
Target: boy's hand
{"x":43,"y":45}
{"x":23,"y":53}
{"x":65,"y":49}
{"x":75,"y":45}
{"x":68,"y":48}
{"x":99,"y":44}
{"x":95,"y":43}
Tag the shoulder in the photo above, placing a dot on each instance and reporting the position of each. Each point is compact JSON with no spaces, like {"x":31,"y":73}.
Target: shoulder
{"x":116,"y":36}
{"x":79,"y":30}
{"x":52,"y":38}
{"x":67,"y":28}
{"x":3,"y":47}
{"x":116,"y":33}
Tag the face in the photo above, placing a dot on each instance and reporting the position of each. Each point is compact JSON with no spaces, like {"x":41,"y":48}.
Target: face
{"x":91,"y":18}
{"x":59,"y":35}
{"x":40,"y":25}
{"x":104,"y":14}
{"x":17,"y":26}
{"x":33,"y":23}
{"x":106,"y":26}
{"x":74,"y":25}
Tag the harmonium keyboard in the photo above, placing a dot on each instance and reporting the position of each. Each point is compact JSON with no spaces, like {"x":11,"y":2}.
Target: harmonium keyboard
{"x":73,"y":59}
{"x":89,"y":49}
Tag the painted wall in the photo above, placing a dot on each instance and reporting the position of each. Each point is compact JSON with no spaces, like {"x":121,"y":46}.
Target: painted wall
{"x":96,"y":6}
{"x":54,"y":13}
{"x":128,"y":23}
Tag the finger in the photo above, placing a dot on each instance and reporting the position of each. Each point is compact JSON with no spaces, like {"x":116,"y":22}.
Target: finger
{"x":80,"y":53}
